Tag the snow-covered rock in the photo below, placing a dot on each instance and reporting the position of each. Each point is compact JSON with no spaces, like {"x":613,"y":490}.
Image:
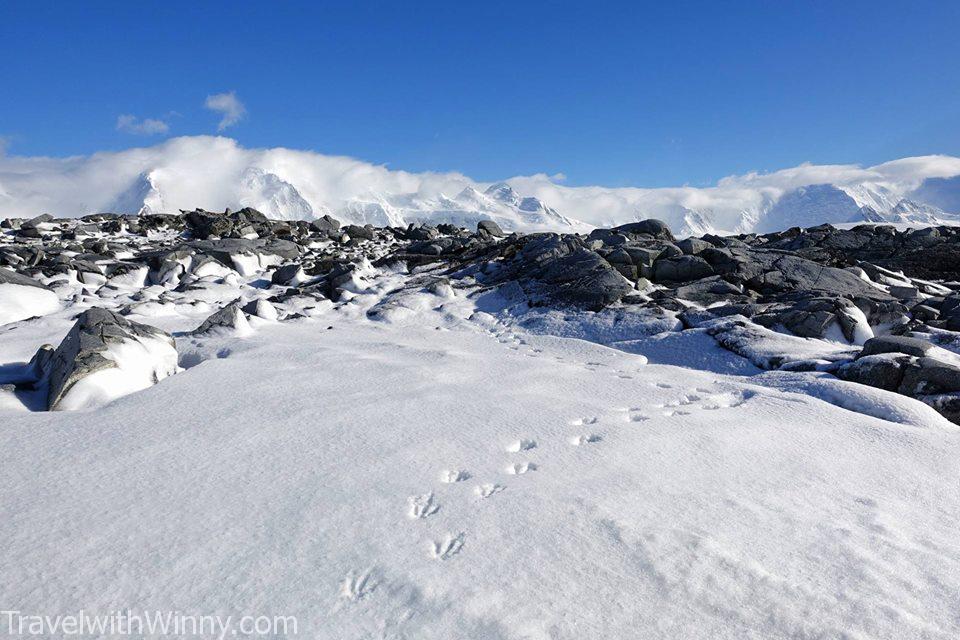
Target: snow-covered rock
{"x":104,"y":357}
{"x":22,"y":297}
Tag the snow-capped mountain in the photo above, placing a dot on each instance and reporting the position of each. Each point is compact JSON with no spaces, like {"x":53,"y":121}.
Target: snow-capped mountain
{"x":215,"y":173}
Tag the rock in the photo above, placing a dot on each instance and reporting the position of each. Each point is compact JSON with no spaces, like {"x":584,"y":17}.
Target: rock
{"x":651,"y":227}
{"x":490,"y":227}
{"x":693,"y":246}
{"x":362,"y":233}
{"x":681,"y":269}
{"x":421,"y":233}
{"x":930,"y":376}
{"x":205,"y":224}
{"x":288,"y":275}
{"x":924,"y":313}
{"x":325,"y":224}
{"x":904,"y":293}
{"x":12,"y":277}
{"x":895,"y":344}
{"x":262,"y":309}
{"x":228,"y":319}
{"x":883,"y":370}
{"x":946,"y":404}
{"x":105,"y":356}
{"x":33,"y":223}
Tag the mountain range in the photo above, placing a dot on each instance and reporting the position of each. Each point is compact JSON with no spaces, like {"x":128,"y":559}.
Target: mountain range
{"x":216,"y":172}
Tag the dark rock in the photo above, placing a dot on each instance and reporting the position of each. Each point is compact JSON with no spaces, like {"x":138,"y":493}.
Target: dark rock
{"x":33,"y":223}
{"x":651,"y":227}
{"x":693,"y":246}
{"x":285,"y":275}
{"x":681,"y":269}
{"x":895,"y":344}
{"x":12,"y":277}
{"x":490,"y":227}
{"x":229,"y":317}
{"x":362,"y":233}
{"x":930,"y":376}
{"x":884,"y":371}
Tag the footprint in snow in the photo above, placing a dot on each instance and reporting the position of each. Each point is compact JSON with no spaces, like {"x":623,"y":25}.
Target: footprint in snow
{"x":521,"y":445}
{"x":358,"y":585}
{"x":455,"y":475}
{"x":582,"y":440}
{"x":422,"y":506}
{"x":448,"y":547}
{"x":521,"y":468}
{"x":488,"y":489}
{"x":727,"y":400}
{"x":676,"y":413}
{"x":638,"y":417}
{"x":579,"y":422}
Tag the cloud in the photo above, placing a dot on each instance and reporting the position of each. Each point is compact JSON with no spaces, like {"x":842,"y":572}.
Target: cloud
{"x":146,"y":127}
{"x":212,"y":171}
{"x":229,"y":105}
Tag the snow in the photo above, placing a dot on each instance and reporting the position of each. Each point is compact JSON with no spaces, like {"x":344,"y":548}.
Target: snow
{"x":465,"y":468}
{"x":19,"y":302}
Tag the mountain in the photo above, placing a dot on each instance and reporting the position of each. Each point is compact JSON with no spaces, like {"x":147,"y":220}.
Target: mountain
{"x":808,"y":207}
{"x":216,"y":172}
{"x":943,"y":193}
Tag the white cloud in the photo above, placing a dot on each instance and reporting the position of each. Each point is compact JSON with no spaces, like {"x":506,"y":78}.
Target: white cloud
{"x":208,"y":172}
{"x":229,"y":105}
{"x":146,"y":127}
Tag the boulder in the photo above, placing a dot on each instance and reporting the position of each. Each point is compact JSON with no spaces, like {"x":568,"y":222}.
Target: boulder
{"x":681,"y":269}
{"x":103,"y":357}
{"x":650,"y":227}
{"x":930,"y":376}
{"x":229,"y":319}
{"x":895,"y":344}
{"x":693,"y":246}
{"x":490,"y":227}
{"x":883,"y":371}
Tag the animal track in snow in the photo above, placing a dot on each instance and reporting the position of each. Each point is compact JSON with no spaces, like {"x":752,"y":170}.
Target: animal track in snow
{"x":422,"y":506}
{"x":582,"y":440}
{"x":682,"y":401}
{"x":448,"y":547}
{"x":356,"y":586}
{"x":455,"y":475}
{"x":521,"y":445}
{"x":521,"y":468}
{"x":488,"y":489}
{"x":663,"y":385}
{"x":676,"y":413}
{"x":727,"y":400}
{"x":579,"y":422}
{"x":638,"y":417}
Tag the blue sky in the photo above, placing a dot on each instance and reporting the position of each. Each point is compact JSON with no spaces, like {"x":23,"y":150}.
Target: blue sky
{"x":633,"y":93}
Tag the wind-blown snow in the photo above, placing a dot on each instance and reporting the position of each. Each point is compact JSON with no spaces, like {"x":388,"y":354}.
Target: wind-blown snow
{"x":216,"y":172}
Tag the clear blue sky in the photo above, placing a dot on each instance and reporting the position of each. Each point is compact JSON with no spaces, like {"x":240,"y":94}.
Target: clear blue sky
{"x":632,"y":93}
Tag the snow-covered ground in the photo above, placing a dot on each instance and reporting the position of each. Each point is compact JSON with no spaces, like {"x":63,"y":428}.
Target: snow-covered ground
{"x":441,"y":473}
